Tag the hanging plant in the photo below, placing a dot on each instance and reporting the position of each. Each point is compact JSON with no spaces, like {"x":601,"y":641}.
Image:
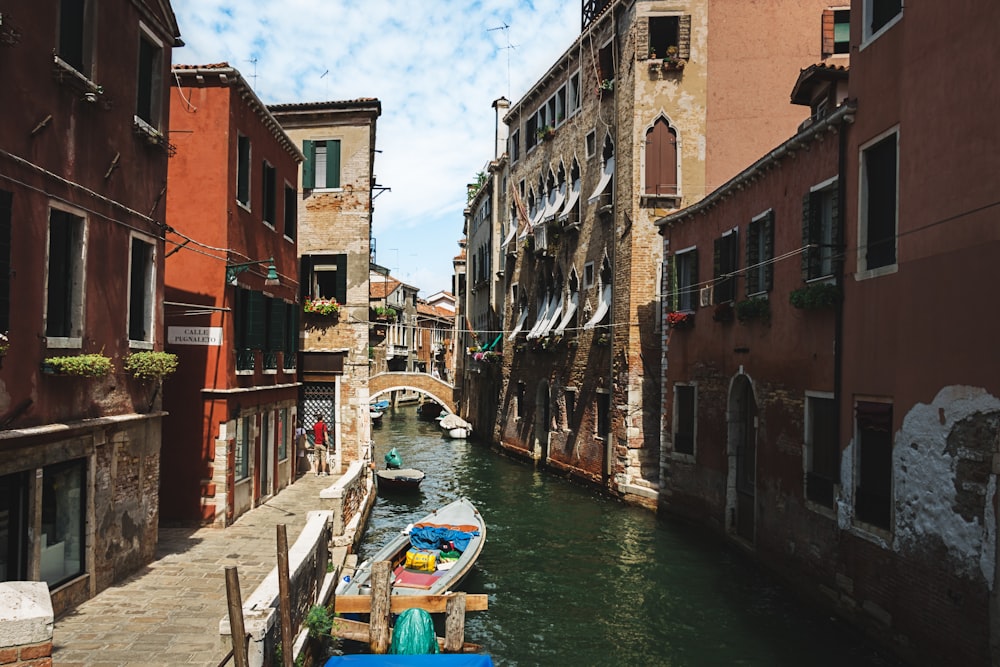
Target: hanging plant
{"x":82,"y":365}
{"x":754,"y":308}
{"x":151,"y":365}
{"x":815,"y":296}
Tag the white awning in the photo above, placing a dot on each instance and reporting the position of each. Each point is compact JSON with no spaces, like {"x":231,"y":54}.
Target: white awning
{"x":556,"y":199}
{"x":574,"y":195}
{"x":553,"y":317}
{"x":513,"y":233}
{"x":520,"y":324}
{"x":543,"y":314}
{"x":537,"y":217}
{"x":601,"y":310}
{"x":609,"y":170}
{"x":567,"y":316}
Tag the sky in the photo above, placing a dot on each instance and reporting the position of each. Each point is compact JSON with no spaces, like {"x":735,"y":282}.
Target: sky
{"x":436,"y":66}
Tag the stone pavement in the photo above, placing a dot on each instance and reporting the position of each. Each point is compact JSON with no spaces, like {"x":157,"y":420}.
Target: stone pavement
{"x":168,"y":613}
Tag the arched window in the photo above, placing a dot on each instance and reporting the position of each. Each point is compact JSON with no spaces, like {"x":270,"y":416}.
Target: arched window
{"x":661,"y":159}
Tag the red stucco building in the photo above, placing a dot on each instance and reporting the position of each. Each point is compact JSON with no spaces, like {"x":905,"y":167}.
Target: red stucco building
{"x":231,"y":306}
{"x":83,"y":167}
{"x":844,"y":430}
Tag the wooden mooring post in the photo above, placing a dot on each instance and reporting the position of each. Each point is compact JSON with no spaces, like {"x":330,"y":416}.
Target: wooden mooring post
{"x":381,"y":591}
{"x":236,"y":628}
{"x":284,"y":598}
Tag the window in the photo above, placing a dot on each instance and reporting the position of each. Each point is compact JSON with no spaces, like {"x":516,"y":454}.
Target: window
{"x":822,"y":457}
{"x":878,"y":204}
{"x":150,"y":83}
{"x":520,"y":399}
{"x":684,"y":296}
{"x":250,"y":324}
{"x":661,"y":159}
{"x":243,"y":170}
{"x":141,"y":292}
{"x":515,"y":146}
{"x":64,"y":285}
{"x":275,"y":320}
{"x":873,"y":495}
{"x":324,"y":277}
{"x":588,"y":275}
{"x":291,"y":213}
{"x":819,"y":231}
{"x":64,"y":504}
{"x":282,"y":430}
{"x":269,"y":197}
{"x":322,"y":165}
{"x":573,"y":95}
{"x":606,"y":63}
{"x":14,"y":522}
{"x":836,"y":31}
{"x":879,"y":13}
{"x":292,"y":339}
{"x":531,"y":132}
{"x":6,"y":204}
{"x":603,"y":414}
{"x":241,"y":468}
{"x":76,"y":34}
{"x":684,"y":419}
{"x":760,"y":253}
{"x":570,"y":395}
{"x":590,"y":143}
{"x":726,"y":261}
{"x":665,"y":34}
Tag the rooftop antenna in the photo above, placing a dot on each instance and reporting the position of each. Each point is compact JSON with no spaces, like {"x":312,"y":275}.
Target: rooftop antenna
{"x":254,"y":75}
{"x":506,"y":33}
{"x":323,"y":75}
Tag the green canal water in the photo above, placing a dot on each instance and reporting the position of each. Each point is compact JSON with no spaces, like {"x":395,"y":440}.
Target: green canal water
{"x":575,"y":578}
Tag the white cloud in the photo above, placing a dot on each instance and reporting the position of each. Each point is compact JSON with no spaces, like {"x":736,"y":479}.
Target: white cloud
{"x":436,"y":67}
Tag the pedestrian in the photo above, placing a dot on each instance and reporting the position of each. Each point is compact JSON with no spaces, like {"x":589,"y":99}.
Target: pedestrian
{"x":322,"y":436}
{"x":301,"y":461}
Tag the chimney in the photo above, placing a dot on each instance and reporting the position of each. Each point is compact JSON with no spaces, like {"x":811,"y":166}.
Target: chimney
{"x":501,"y":105}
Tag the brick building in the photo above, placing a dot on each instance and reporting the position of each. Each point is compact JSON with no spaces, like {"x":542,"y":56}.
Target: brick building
{"x":435,"y":328}
{"x":335,"y":217}
{"x":844,"y":433}
{"x":648,"y":109}
{"x":232,"y":303}
{"x":83,"y":167}
{"x":393,"y":332}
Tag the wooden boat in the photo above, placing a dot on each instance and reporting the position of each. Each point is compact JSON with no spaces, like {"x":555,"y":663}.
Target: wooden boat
{"x":458,"y":523}
{"x":376,"y":415}
{"x":455,"y":427}
{"x":433,"y":660}
{"x":380,"y":405}
{"x":405,"y":479}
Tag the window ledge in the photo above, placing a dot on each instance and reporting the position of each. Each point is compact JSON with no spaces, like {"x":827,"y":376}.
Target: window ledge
{"x":288,"y":238}
{"x":875,"y":273}
{"x":323,"y":190}
{"x":244,"y":372}
{"x":66,"y":73}
{"x":269,"y":224}
{"x":140,"y":345}
{"x":244,"y":205}
{"x":64,"y":343}
{"x":660,"y":201}
{"x":153,"y":136}
{"x":270,"y":371}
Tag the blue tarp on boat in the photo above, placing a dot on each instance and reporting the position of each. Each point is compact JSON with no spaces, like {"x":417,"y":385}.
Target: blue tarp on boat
{"x":431,"y":537}
{"x":439,"y":660}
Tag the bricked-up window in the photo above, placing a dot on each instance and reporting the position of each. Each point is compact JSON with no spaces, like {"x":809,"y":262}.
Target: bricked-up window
{"x":684,"y":418}
{"x":603,"y":405}
{"x":836,"y":31}
{"x":149,"y":91}
{"x":873,"y":495}
{"x":324,"y":277}
{"x":819,"y":231}
{"x":65,"y":278}
{"x":64,"y":517}
{"x":322,"y":166}
{"x":822,"y":456}
{"x":520,"y":399}
{"x":878,"y":204}
{"x":269,"y":197}
{"x":76,"y":32}
{"x":141,"y":291}
{"x":661,"y":159}
{"x":244,"y":431}
{"x":726,"y":261}
{"x":878,"y":14}
{"x":760,"y":253}
{"x":291,"y":216}
{"x":243,"y":170}
{"x":6,"y":206}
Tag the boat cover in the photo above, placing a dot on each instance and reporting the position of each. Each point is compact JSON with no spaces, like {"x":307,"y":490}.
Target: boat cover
{"x":454,"y":421}
{"x":438,"y":660}
{"x":432,"y":537}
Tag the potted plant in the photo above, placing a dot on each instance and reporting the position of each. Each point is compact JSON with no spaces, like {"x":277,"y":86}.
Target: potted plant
{"x":757,"y":307}
{"x":546,"y":132}
{"x":672,"y":61}
{"x":321,"y":306}
{"x":385,"y":314}
{"x":606,"y":87}
{"x":815,"y":296}
{"x":151,"y":365}
{"x":677,"y":320}
{"x":81,"y":365}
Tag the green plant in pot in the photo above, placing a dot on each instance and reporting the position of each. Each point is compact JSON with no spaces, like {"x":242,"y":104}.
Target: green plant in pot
{"x":151,"y":365}
{"x":82,"y":365}
{"x":815,"y":296}
{"x":754,"y":308}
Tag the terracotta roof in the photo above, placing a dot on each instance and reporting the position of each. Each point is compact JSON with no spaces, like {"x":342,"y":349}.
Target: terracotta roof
{"x":380,"y":289}
{"x":434,"y":311}
{"x":810,"y":76}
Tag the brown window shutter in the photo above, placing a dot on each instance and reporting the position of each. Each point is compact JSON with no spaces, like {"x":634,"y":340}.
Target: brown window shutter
{"x":827,"y":32}
{"x":684,"y":36}
{"x":642,"y":39}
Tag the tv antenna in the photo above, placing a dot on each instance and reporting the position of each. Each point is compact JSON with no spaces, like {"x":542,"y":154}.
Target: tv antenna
{"x":506,"y":34}
{"x":254,"y":75}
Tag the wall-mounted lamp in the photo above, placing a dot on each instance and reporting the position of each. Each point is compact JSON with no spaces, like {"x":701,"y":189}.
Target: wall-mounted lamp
{"x":232,"y":270}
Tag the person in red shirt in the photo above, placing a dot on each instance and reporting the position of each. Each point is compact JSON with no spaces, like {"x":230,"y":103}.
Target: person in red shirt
{"x":321,"y":436}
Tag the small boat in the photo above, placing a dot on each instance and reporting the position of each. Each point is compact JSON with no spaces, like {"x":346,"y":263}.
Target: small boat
{"x":455,"y":427}
{"x":380,"y":405}
{"x":419,"y":564}
{"x":376,"y":416}
{"x":433,"y":660}
{"x":429,"y":411}
{"x":399,"y":479}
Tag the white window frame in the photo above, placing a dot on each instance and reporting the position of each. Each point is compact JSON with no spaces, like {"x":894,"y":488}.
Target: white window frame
{"x":246,"y":205}
{"x":79,"y":295}
{"x":693,"y":295}
{"x":589,"y":275}
{"x":830,"y":185}
{"x":867,"y":36}
{"x":590,"y":144}
{"x":149,"y":310}
{"x":573,"y":103}
{"x":158,"y":100}
{"x":863,"y":272}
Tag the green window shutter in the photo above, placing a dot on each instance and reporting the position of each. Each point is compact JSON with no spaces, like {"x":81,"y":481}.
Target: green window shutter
{"x":305,"y":276}
{"x":837,"y":250}
{"x":275,"y":325}
{"x":807,"y":214}
{"x":692,"y":280}
{"x":717,"y":271}
{"x":291,"y":311}
{"x":332,"y":163}
{"x":341,"y":288}
{"x":256,"y":321}
{"x":769,"y":251}
{"x":753,"y":256}
{"x":309,"y":166}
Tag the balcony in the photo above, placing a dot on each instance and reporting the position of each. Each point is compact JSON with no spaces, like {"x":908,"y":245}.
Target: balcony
{"x":245,"y":361}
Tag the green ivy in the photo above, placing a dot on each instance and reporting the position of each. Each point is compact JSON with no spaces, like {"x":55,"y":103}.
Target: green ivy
{"x":813,"y":297}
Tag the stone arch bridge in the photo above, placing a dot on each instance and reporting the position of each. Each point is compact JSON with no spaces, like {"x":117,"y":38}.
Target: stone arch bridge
{"x":435,"y":389}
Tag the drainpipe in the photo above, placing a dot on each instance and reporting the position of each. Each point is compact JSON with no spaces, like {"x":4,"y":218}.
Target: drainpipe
{"x":838,"y":317}
{"x":610,"y":443}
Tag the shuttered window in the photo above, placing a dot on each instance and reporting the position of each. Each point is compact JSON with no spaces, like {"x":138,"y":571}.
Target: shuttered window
{"x":661,"y":159}
{"x":276,"y":319}
{"x":322,"y":165}
{"x":726,"y":261}
{"x":256,"y":321}
{"x":760,"y":252}
{"x":820,"y":233}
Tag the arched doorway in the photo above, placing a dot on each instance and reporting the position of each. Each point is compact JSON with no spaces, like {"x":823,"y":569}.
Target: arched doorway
{"x":540,"y":447}
{"x":742,"y":457}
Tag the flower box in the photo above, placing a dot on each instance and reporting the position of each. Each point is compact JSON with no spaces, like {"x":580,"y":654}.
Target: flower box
{"x":81,"y":365}
{"x":327,"y":307}
{"x":677,"y":320}
{"x":815,"y":296}
{"x":151,"y":365}
{"x":754,"y":308}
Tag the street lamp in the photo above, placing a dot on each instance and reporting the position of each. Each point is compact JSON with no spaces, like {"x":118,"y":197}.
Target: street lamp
{"x":232,"y":270}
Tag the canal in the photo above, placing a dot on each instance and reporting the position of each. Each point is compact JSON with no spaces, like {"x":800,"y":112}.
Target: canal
{"x":575,"y":578}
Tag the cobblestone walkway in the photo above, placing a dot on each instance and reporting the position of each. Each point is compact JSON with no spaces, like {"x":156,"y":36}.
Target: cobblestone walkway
{"x":168,"y":613}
